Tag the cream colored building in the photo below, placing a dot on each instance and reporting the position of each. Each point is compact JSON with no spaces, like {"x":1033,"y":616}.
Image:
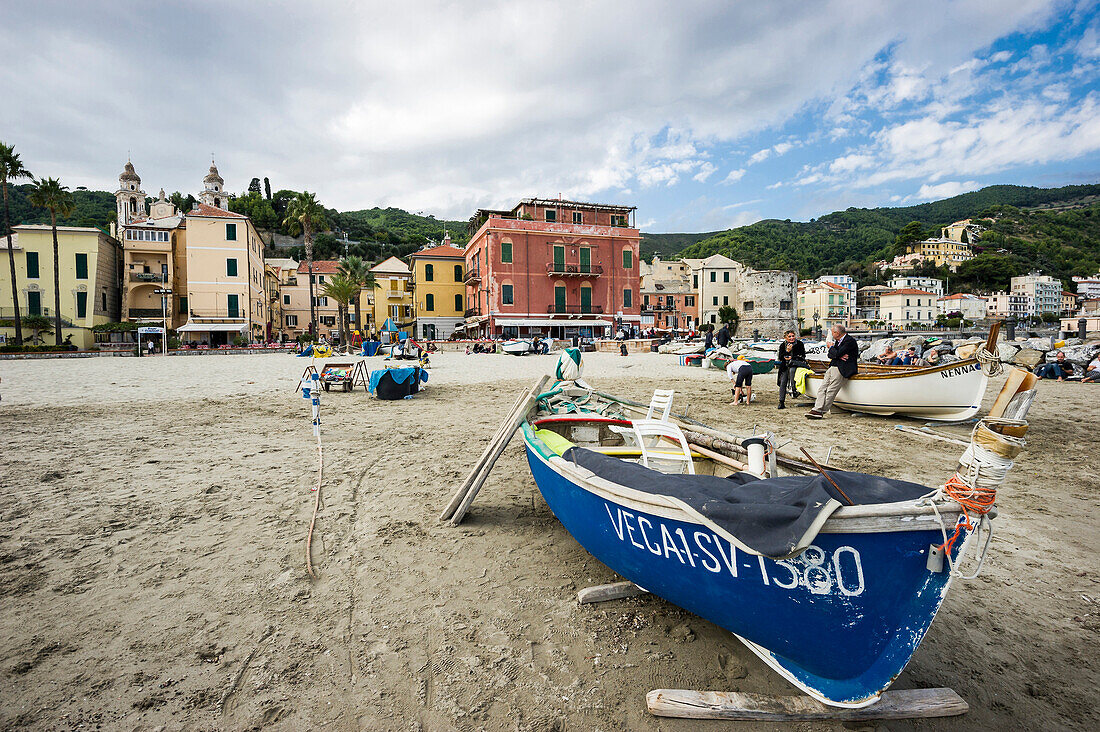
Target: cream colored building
{"x":209,"y":257}
{"x":1006,"y":304}
{"x":908,"y":307}
{"x":764,"y":299}
{"x":972,"y":307}
{"x":89,"y":271}
{"x":294,"y":295}
{"x":393,"y":297}
{"x":669,"y":301}
{"x":825,"y":300}
{"x":944,"y":252}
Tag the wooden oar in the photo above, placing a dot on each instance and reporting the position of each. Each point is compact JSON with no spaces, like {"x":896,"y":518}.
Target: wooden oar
{"x":462,"y":499}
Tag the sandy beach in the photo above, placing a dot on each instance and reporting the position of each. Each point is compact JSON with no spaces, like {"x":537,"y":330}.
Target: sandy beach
{"x":153,"y":517}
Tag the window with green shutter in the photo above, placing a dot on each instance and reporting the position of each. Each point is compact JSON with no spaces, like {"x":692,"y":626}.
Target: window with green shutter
{"x":81,"y":266}
{"x":32,"y":265}
{"x":231,"y":267}
{"x":81,"y":304}
{"x":429,"y":302}
{"x":628,"y":298}
{"x":458,"y":274}
{"x":628,"y":259}
{"x":507,"y":295}
{"x":506,"y":252}
{"x":234,"y":307}
{"x":429,"y":273}
{"x":231,"y":232}
{"x":34,"y":302}
{"x":458,"y":303}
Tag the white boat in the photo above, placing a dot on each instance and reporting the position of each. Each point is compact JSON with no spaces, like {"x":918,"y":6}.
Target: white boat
{"x":521,"y":346}
{"x":949,"y":392}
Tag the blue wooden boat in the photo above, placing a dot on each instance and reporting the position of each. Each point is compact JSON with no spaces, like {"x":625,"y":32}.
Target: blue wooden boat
{"x":840,"y":619}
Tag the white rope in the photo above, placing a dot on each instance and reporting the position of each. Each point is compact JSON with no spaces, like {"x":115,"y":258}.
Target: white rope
{"x":990,"y":362}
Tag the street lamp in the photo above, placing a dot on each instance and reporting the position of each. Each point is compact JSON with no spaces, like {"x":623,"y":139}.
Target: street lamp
{"x":817,"y":328}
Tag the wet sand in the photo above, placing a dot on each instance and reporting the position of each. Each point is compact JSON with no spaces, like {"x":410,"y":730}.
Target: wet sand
{"x":153,"y":515}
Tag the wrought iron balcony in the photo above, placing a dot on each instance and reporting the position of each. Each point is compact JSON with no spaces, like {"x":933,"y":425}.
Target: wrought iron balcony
{"x":148,"y":312}
{"x":472,"y":313}
{"x":575,"y":309}
{"x":471,"y":276}
{"x":573,"y":270}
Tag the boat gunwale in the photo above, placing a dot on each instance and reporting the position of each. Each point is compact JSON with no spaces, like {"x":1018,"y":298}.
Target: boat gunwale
{"x":910,"y":371}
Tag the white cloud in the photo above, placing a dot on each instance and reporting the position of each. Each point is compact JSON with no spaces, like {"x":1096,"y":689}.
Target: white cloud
{"x":782,"y":148}
{"x":1000,"y":57}
{"x":705,"y":171}
{"x":761,"y":156}
{"x":943,"y":190}
{"x":734,"y":176}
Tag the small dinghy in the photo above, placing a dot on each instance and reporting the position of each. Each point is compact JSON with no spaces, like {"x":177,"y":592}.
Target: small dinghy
{"x":831,"y":577}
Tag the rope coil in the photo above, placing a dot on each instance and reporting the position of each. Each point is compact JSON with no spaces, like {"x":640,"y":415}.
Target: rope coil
{"x":989,"y":361}
{"x":983,"y":467}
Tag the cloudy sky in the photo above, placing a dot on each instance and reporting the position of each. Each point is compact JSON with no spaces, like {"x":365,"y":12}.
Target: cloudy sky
{"x":705,"y":115}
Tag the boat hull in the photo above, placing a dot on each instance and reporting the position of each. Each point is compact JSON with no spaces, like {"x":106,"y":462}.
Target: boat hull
{"x":759,"y":366}
{"x":840,"y":621}
{"x":949,"y":393}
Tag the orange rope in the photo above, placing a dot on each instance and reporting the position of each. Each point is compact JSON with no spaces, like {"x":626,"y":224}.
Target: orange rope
{"x":978,"y":501}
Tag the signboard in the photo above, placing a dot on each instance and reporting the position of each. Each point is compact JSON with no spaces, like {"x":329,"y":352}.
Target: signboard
{"x":163,"y":291}
{"x":147,"y":276}
{"x":150,"y":330}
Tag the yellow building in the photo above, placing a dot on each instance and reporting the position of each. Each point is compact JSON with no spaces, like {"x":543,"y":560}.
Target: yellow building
{"x":393,"y":296}
{"x":211,"y":258}
{"x":822,"y":304}
{"x":438,"y":290}
{"x":944,"y":252}
{"x":89,"y":270}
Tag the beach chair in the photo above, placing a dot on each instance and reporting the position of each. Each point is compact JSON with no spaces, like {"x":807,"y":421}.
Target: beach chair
{"x":660,"y":405}
{"x":663,"y":446}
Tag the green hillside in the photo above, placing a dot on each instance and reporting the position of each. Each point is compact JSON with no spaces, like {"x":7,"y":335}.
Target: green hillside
{"x":93,"y":208}
{"x":667,"y":245}
{"x":1053,"y":229}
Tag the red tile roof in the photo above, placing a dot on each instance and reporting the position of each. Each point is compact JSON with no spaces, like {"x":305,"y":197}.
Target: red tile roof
{"x":443,"y":251}
{"x":908,"y":292}
{"x":320,"y":266}
{"x":201,"y":209}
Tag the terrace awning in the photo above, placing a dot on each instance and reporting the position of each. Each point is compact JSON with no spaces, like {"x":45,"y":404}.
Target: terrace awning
{"x":212,"y":327}
{"x":587,"y":323}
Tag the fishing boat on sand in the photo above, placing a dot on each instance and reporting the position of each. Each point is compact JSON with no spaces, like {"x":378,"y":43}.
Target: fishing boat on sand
{"x":759,"y":365}
{"x":949,"y":392}
{"x":521,"y":346}
{"x":831,"y":577}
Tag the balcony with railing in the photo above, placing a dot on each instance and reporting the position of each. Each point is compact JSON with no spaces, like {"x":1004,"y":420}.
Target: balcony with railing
{"x":560,"y":269}
{"x":148,"y":313}
{"x":472,"y":313}
{"x":471,"y":277}
{"x":8,"y":314}
{"x":574,"y":309}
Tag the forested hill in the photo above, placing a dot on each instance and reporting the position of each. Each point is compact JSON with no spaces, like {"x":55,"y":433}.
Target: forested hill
{"x":667,"y":245}
{"x":1050,"y":228}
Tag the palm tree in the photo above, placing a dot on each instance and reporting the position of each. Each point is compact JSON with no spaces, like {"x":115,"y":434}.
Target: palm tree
{"x":305,"y":213}
{"x":342,"y":289}
{"x":49,"y":194}
{"x":355,"y":269}
{"x":11,"y":168}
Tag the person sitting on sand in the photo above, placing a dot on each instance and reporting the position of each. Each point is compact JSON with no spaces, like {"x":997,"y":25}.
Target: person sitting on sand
{"x":1092,"y":373}
{"x":1061,"y":369}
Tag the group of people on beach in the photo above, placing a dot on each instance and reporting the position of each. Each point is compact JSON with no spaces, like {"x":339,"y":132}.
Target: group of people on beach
{"x":1062,"y":369}
{"x":843,"y":357}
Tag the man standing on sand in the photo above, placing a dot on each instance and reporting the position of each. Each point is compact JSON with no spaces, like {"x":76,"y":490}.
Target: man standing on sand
{"x":791,"y":355}
{"x":724,"y":336}
{"x":843,"y":364}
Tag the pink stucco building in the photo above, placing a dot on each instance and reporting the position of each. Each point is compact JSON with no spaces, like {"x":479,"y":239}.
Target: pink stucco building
{"x":553,"y":267}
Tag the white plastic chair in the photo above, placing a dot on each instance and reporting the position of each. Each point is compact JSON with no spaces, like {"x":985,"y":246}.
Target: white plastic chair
{"x":660,"y":405}
{"x":659,"y":450}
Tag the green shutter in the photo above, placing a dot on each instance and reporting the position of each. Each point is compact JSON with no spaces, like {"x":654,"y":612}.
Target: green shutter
{"x":429,"y":302}
{"x":559,"y":259}
{"x":231,"y":232}
{"x":34,"y":302}
{"x":429,"y":273}
{"x":628,"y":298}
{"x":458,"y":275}
{"x":506,"y":251}
{"x":32,"y":265}
{"x":234,"y":311}
{"x":559,"y":299}
{"x":81,"y":266}
{"x":628,"y":259}
{"x":586,"y":299}
{"x":507,"y":294}
{"x":81,"y":304}
{"x":586,"y":259}
{"x":231,"y":267}
{"x":183,"y":306}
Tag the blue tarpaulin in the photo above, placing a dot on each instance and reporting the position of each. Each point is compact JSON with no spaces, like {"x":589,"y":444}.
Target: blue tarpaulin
{"x":399,"y":375}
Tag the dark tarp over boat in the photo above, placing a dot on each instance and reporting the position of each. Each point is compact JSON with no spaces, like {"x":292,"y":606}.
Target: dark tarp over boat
{"x":775,"y":517}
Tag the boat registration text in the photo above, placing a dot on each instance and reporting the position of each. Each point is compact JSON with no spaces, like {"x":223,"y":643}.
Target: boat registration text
{"x":814,"y":569}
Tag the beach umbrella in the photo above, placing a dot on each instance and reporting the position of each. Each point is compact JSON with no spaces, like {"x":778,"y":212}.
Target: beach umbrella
{"x":570,"y":365}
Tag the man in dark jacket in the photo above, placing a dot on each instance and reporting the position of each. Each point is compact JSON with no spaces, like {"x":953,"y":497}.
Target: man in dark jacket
{"x":708,"y":343}
{"x":724,"y":335}
{"x":843,"y":364}
{"x":792,"y":354}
